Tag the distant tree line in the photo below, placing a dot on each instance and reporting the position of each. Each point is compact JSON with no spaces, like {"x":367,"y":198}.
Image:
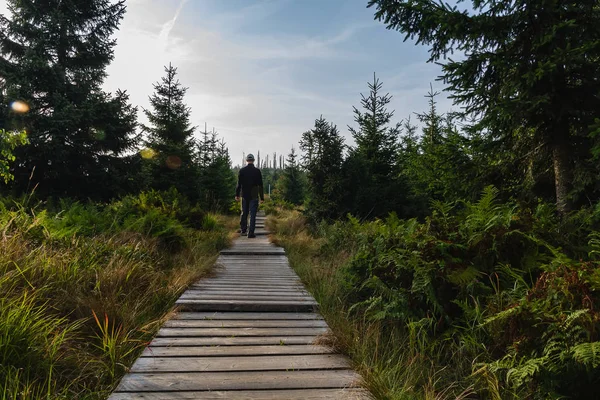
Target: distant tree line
{"x":83,"y":142}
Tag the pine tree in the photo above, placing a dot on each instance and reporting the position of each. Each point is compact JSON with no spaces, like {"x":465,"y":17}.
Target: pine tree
{"x":216,"y":180}
{"x":438,"y":160}
{"x":291,"y":185}
{"x":170,"y":137}
{"x":371,"y":166}
{"x":530,"y":67}
{"x":323,"y":148}
{"x":53,"y":58}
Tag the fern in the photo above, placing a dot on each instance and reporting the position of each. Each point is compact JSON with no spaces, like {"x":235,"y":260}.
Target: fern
{"x":525,"y":372}
{"x":465,"y":276}
{"x":587,"y":354}
{"x":503,"y":315}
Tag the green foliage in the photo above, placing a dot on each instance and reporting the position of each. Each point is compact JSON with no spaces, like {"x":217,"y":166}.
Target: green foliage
{"x":53,"y":60}
{"x":217,"y":181}
{"x":8,"y":142}
{"x":169,"y":162}
{"x":432,"y":163}
{"x":323,"y":159}
{"x":487,"y":291}
{"x":528,"y":75}
{"x":85,"y":286}
{"x":31,"y":341}
{"x":291,"y":186}
{"x":372,"y":184}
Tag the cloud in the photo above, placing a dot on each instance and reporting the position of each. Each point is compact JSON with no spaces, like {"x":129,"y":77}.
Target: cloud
{"x":163,"y":36}
{"x":4,"y":8}
{"x":261,"y":89}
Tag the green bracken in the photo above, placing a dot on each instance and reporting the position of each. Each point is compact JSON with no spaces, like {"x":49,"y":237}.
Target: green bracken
{"x":478,"y":300}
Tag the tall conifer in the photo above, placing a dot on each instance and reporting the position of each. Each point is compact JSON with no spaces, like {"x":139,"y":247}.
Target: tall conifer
{"x":371,"y":169}
{"x":54,"y":56}
{"x":170,"y":137}
{"x":530,"y":68}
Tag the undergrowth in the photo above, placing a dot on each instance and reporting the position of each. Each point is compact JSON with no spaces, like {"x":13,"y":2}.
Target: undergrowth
{"x":84,"y":287}
{"x":481,"y":300}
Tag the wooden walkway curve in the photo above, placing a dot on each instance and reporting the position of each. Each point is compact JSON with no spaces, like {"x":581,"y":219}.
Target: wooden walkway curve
{"x":249,"y":332}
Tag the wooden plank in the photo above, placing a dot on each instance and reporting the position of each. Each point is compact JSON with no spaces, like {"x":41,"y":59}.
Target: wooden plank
{"x":292,"y":394}
{"x":251,"y":252}
{"x":270,"y":260}
{"x":255,"y":268}
{"x":246,"y":315}
{"x":241,"y":363}
{"x":215,"y":286}
{"x":254,"y":380}
{"x":213,"y":323}
{"x":224,"y":279}
{"x":252,"y":264}
{"x":235,"y":266}
{"x":257,"y":282}
{"x":233,"y":341}
{"x":257,"y":289}
{"x":232,"y":332}
{"x":266,"y":285}
{"x":263,"y":274}
{"x":247,"y":267}
{"x":240,"y":305}
{"x":257,"y":278}
{"x":257,"y":243}
{"x":233,"y":279}
{"x":257,"y":274}
{"x":248,"y":291}
{"x":217,"y":351}
{"x":245,"y":297}
{"x":246,"y":284}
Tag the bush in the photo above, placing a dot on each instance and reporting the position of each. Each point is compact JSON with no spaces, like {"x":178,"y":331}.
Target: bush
{"x":499,"y":299}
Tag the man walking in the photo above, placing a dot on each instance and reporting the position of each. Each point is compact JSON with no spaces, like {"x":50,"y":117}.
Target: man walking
{"x":250,"y":184}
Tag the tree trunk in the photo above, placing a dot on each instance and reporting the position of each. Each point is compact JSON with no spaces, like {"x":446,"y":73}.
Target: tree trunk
{"x":562,"y":177}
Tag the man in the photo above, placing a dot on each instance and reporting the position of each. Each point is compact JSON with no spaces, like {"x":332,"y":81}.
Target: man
{"x":250,"y":184}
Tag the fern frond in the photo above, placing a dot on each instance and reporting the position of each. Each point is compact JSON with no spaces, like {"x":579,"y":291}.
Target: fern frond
{"x":587,"y":354}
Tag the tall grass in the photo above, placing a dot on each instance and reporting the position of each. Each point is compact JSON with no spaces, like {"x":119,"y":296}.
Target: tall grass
{"x":84,"y":288}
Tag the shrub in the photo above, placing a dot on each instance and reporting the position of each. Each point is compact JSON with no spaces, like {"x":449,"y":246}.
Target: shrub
{"x":501,"y":299}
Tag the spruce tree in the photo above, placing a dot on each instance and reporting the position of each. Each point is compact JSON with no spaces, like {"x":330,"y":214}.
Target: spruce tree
{"x":291,"y":184}
{"x":441,"y":159}
{"x":54,"y":56}
{"x":530,"y":67}
{"x":324,"y":156}
{"x":216,"y":179}
{"x":170,"y":137}
{"x":371,"y":167}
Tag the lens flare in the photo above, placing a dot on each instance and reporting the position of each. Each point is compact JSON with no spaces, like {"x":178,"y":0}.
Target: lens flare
{"x":19,"y":106}
{"x":148,"y":154}
{"x":173,"y":162}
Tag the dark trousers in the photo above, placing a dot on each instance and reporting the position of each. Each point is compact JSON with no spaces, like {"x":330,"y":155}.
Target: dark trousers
{"x":248,"y":206}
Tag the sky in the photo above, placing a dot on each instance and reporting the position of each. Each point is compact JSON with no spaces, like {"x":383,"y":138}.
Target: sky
{"x":261,"y":71}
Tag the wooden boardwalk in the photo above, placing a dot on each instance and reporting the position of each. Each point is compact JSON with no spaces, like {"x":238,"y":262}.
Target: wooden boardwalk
{"x":249,"y":332}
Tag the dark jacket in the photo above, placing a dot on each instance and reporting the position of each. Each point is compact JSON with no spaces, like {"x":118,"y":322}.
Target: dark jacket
{"x":250,"y":183}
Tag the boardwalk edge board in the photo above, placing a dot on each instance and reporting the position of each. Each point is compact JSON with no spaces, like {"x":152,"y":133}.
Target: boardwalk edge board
{"x":249,"y":331}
